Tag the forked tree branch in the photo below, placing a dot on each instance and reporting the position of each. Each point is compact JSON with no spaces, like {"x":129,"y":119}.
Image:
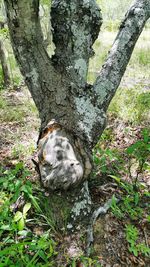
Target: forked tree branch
{"x":28,"y":45}
{"x":113,"y":69}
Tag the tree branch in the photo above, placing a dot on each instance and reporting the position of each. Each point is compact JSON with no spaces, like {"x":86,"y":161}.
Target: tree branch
{"x":76,"y":26}
{"x":27,"y":41}
{"x":113,"y":69}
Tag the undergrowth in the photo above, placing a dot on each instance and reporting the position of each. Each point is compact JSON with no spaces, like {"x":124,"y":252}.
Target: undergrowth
{"x":27,"y":227}
{"x":20,"y":212}
{"x":130,"y":203}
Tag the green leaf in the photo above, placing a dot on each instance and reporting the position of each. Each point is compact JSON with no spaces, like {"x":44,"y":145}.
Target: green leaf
{"x":134,"y":250}
{"x":18,"y":216}
{"x":146,"y":136}
{"x":136,"y":198}
{"x":43,"y":255}
{"x":21,"y":224}
{"x":23,"y":233}
{"x":148,"y":218}
{"x":26,"y":208}
{"x":133,"y":147}
{"x":35,"y":203}
{"x":117,"y":179}
{"x":6,"y":227}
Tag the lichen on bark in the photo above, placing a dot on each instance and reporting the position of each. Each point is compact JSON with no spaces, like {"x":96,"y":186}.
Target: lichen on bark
{"x":76,"y":26}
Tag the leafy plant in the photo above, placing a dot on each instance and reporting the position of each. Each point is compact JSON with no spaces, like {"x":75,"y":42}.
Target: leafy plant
{"x":140,"y":151}
{"x":132,"y":238}
{"x":110,"y":161}
{"x":129,"y":205}
{"x":116,"y":209}
{"x":19,"y":245}
{"x":30,"y":252}
{"x":20,"y":217}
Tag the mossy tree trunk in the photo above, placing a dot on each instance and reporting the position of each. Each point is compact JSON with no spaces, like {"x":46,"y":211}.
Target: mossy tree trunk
{"x":4,"y":60}
{"x":59,"y":85}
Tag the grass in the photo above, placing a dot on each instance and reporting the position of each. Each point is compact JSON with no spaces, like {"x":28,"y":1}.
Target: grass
{"x":139,"y":61}
{"x":131,"y":102}
{"x":20,"y":246}
{"x":22,"y":150}
{"x":19,"y":126}
{"x":131,"y":105}
{"x":15,"y":110}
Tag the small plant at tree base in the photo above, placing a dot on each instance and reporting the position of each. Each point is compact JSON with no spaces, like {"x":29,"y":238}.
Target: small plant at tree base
{"x":132,"y":238}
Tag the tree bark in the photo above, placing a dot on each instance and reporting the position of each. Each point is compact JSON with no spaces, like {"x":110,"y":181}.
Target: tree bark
{"x":4,"y":62}
{"x":60,"y":91}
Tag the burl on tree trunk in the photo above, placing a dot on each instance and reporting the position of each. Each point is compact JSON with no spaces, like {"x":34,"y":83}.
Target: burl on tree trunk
{"x":72,"y":112}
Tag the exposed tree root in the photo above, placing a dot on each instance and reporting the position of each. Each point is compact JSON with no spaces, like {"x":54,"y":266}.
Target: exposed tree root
{"x":101,"y":210}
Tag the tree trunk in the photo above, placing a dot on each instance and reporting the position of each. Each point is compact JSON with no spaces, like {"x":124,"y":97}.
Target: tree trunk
{"x":72,"y":112}
{"x":4,"y":61}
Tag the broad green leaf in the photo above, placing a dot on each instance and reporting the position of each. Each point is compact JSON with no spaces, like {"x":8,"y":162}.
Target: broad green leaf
{"x":23,"y":233}
{"x":21,"y":224}
{"x":26,"y":208}
{"x":18,"y":216}
{"x":6,"y":227}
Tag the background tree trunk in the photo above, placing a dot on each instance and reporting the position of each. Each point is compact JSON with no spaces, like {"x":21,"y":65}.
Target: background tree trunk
{"x":59,"y":84}
{"x":4,"y":61}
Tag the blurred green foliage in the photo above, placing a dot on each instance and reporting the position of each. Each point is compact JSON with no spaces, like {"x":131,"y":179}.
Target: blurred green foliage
{"x":20,"y":246}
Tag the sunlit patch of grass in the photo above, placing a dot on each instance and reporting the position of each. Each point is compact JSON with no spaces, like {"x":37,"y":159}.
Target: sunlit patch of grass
{"x":112,"y":25}
{"x":30,"y":106}
{"x":3,"y":103}
{"x":15,"y":115}
{"x":131,"y":101}
{"x":22,"y":150}
{"x":138,"y":63}
{"x":141,"y":56}
{"x":11,"y":111}
{"x":131,"y":104}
